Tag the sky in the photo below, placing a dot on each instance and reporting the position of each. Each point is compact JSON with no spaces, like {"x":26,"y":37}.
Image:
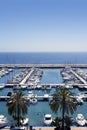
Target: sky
{"x":43,"y":25}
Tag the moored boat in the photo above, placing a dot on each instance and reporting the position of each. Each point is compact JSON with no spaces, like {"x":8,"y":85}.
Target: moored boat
{"x":2,"y":86}
{"x":25,"y":121}
{"x":3,"y":121}
{"x":47,"y":119}
{"x":80,"y":120}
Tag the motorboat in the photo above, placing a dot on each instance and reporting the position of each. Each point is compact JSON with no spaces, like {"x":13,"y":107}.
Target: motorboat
{"x":3,"y":121}
{"x":79,"y":100}
{"x":33,"y":100}
{"x":25,"y":121}
{"x":83,"y":95}
{"x":47,"y":119}
{"x":23,"y":87}
{"x":31,"y":94}
{"x":68,"y":86}
{"x":80,"y":120}
{"x":46,"y":97}
{"x":2,"y":86}
{"x":38,"y":86}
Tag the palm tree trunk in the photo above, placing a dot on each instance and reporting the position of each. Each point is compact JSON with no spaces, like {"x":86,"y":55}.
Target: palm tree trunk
{"x":18,"y":115}
{"x":63,"y":112}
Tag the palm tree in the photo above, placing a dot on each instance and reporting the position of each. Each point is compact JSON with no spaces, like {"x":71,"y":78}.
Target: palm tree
{"x":17,"y":106}
{"x":63,"y":101}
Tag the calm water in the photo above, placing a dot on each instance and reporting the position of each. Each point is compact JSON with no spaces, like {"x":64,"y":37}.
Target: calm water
{"x":36,"y":112}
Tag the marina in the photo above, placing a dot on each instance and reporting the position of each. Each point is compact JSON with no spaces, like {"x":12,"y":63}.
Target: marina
{"x":42,"y":83}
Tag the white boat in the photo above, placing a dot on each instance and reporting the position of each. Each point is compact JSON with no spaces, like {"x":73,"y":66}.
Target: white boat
{"x":79,"y":100}
{"x":47,"y":119}
{"x":25,"y":121}
{"x":80,"y":120}
{"x":68,"y":86}
{"x":3,"y":121}
{"x":31,"y":94}
{"x":33,"y":100}
{"x":83,"y":95}
{"x":2,"y":86}
{"x":46,"y":97}
{"x":23,"y":87}
{"x":38,"y":86}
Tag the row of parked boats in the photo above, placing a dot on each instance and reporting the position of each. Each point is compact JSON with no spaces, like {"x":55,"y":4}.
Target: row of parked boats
{"x":16,"y":79}
{"x":75,"y":77}
{"x":4,"y":71}
{"x":30,"y":76}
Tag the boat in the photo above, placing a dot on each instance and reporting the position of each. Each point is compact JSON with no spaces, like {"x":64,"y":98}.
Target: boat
{"x":79,"y":100}
{"x":3,"y":121}
{"x":47,"y":119}
{"x":2,"y":86}
{"x":33,"y":100}
{"x":25,"y":121}
{"x":80,"y":120}
{"x":16,"y":87}
{"x":45,"y":97}
{"x":38,"y":86}
{"x":23,"y":87}
{"x":68,"y":86}
{"x":83,"y":95}
{"x":31,"y":94}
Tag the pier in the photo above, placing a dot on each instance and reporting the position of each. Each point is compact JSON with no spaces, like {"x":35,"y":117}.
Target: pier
{"x":39,"y":98}
{"x":26,"y":77}
{"x":79,"y":77}
{"x":45,"y":97}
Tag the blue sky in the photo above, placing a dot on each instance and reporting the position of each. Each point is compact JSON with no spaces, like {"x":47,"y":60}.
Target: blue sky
{"x":43,"y":25}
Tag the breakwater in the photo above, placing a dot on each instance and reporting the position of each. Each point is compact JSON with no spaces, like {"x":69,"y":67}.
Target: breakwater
{"x":43,"y":65}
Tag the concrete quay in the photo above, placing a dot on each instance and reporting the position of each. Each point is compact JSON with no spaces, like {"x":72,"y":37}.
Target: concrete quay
{"x":42,"y":65}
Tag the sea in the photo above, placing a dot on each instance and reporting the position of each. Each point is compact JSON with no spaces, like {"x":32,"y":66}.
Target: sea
{"x":37,"y":111}
{"x":43,"y":58}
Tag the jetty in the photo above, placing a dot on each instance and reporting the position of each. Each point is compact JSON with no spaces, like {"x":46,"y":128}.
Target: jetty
{"x":26,"y":77}
{"x":39,"y":98}
{"x":79,"y":77}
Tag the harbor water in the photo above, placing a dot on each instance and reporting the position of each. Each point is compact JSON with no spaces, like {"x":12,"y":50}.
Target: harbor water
{"x":37,"y":111}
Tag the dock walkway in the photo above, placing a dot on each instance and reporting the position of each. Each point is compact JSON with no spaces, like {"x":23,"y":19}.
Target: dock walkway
{"x":26,"y":77}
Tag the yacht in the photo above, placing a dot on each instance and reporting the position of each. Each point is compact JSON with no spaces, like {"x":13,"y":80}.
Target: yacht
{"x":3,"y":121}
{"x":47,"y":119}
{"x":80,"y":120}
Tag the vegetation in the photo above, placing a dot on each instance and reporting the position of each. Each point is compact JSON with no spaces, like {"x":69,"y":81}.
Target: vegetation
{"x":17,"y":106}
{"x":63,"y":101}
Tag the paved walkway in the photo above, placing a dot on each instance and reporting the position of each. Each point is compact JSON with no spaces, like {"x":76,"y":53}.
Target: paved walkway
{"x":51,"y":128}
